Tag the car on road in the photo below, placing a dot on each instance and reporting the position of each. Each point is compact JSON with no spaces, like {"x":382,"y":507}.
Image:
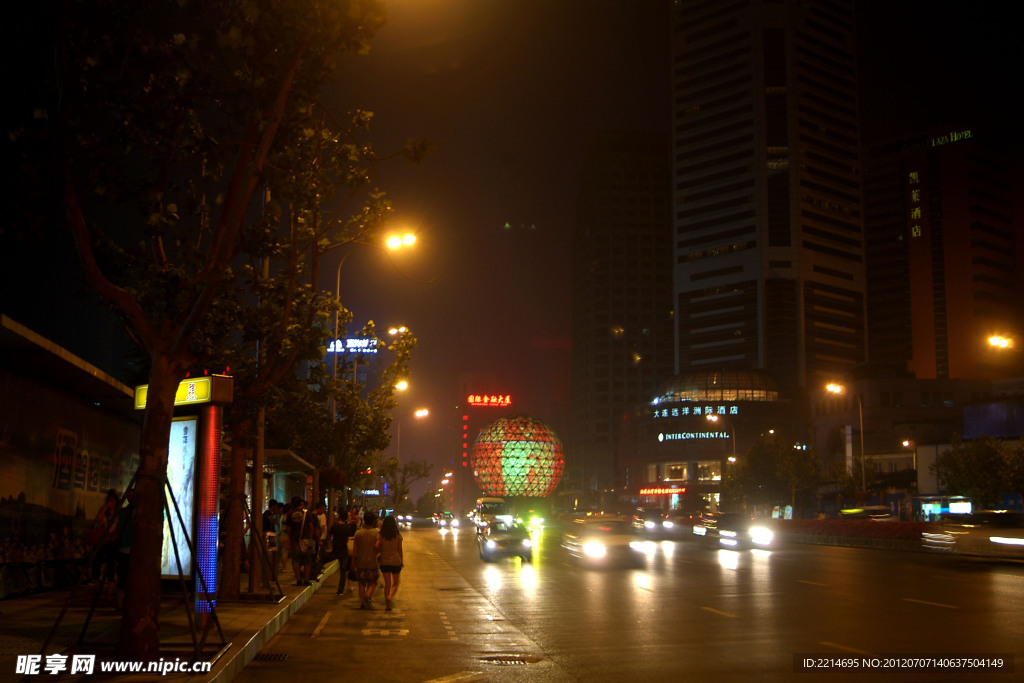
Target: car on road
{"x":447,"y":520}
{"x":663,"y":525}
{"x":734,"y":530}
{"x":604,"y":541}
{"x":502,"y":539}
{"x":987,"y":533}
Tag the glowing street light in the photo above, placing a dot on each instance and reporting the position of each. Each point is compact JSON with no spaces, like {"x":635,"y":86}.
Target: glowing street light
{"x":419,"y":414}
{"x":1000,"y":342}
{"x":711,"y":417}
{"x":400,"y":241}
{"x":838,"y":389}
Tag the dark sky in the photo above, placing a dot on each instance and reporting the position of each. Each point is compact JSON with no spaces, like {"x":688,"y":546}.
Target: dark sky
{"x":509,"y":91}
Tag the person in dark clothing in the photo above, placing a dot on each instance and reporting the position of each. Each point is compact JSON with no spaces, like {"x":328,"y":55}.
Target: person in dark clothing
{"x":341,"y":531}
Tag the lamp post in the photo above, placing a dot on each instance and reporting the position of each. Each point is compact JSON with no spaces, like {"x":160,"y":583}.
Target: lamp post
{"x":392,"y":243}
{"x":840,"y":389}
{"x":407,"y":240}
{"x":732,"y":433}
{"x":419,"y":414}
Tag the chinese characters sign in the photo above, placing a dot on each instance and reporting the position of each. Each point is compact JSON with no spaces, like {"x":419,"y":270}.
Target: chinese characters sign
{"x":705,"y":410}
{"x":496,"y":400}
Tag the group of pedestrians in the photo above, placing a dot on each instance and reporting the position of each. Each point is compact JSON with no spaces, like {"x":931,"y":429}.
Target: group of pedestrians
{"x":304,"y":534}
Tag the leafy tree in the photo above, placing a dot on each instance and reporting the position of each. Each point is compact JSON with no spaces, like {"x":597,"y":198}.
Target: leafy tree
{"x":981,"y":469}
{"x":399,"y":476}
{"x":170,"y":116}
{"x":771,"y":471}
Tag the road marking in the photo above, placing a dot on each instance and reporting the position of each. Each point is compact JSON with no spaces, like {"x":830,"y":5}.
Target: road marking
{"x":718,"y":612}
{"x":812,"y":583}
{"x":843,"y":647}
{"x":461,"y":676}
{"x":385,"y":632}
{"x":320,"y":626}
{"x":933,"y":604}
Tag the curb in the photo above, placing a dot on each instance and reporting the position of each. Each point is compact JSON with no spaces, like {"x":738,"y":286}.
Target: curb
{"x":238,"y":656}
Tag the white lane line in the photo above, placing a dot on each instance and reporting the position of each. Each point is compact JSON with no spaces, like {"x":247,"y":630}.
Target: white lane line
{"x":932,"y":604}
{"x":320,"y":626}
{"x":812,"y":583}
{"x":460,"y":677}
{"x":843,"y":647}
{"x":718,"y":612}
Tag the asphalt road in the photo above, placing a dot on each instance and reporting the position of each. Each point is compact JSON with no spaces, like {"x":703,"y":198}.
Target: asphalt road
{"x":687,"y":611}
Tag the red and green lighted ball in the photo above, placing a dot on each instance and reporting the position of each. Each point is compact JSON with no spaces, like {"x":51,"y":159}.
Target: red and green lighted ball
{"x":517,"y":456}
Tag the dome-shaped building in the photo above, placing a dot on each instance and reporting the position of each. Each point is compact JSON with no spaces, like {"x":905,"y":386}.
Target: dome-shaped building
{"x":517,"y":456}
{"x":673,"y":452}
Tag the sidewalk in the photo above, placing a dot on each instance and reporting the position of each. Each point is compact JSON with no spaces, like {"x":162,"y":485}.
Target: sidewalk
{"x":26,"y":624}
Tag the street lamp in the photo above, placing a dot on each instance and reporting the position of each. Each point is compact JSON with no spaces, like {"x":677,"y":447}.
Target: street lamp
{"x":711,"y":417}
{"x":419,"y":414}
{"x":1000,"y":342}
{"x":392,"y":243}
{"x":833,"y":388}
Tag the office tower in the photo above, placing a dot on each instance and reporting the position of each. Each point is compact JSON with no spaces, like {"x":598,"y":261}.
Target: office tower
{"x":769,"y":255}
{"x":943,"y":254}
{"x":622,"y":295}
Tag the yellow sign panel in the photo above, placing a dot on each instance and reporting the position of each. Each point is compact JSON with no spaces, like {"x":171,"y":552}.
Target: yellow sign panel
{"x":198,"y":390}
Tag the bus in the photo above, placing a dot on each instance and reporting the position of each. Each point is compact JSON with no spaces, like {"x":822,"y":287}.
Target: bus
{"x":489,"y":509}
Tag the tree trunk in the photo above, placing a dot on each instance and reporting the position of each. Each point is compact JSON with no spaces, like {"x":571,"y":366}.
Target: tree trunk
{"x":233,"y":520}
{"x":140,"y":623}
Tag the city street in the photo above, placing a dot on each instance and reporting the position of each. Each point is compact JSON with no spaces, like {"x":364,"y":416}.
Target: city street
{"x":689,"y":611}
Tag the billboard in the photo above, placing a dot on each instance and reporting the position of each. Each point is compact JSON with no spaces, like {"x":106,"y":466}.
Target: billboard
{"x":181,"y":478}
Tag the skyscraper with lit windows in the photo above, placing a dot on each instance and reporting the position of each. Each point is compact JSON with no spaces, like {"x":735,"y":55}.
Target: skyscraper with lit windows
{"x":767,"y":197}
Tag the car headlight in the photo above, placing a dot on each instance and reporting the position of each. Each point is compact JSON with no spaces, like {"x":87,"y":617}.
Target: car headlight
{"x":595,"y":549}
{"x":491,"y":545}
{"x":760,"y":535}
{"x":455,"y":522}
{"x":727,"y":534}
{"x":699,"y":531}
{"x":527,"y":543}
{"x":667,"y":524}
{"x":648,"y":524}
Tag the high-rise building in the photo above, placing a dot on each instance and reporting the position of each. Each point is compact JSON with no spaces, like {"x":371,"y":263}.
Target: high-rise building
{"x":944,"y":255}
{"x":622,"y":296}
{"x":769,"y":253}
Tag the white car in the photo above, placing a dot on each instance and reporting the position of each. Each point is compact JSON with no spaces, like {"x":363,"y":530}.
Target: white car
{"x":604,"y":541}
{"x":980,"y":534}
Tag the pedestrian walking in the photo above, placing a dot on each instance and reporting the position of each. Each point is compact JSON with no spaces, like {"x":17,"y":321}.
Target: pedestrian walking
{"x":271,"y":538}
{"x":341,"y":531}
{"x":389,"y":546}
{"x":305,"y":530}
{"x":364,"y":559}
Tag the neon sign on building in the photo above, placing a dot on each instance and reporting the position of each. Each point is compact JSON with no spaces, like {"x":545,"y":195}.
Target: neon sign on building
{"x":353,"y":345}
{"x":686,"y":411}
{"x":493,"y":400}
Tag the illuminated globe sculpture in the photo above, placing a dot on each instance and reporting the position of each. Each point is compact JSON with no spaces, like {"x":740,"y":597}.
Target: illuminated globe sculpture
{"x":517,"y":456}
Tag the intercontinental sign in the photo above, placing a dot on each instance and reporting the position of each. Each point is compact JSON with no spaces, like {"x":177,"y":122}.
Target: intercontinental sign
{"x":683,"y":436}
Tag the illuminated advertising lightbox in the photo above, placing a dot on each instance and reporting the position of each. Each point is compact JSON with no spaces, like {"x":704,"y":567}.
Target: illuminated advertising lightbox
{"x":353,"y":345}
{"x":181,"y":477}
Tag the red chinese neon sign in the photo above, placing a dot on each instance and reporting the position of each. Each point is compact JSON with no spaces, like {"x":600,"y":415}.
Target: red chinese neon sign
{"x":661,"y":491}
{"x":498,"y":400}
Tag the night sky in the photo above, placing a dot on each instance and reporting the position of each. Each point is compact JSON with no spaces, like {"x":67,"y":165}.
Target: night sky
{"x":510,"y":90}
{"x":510,"y":93}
